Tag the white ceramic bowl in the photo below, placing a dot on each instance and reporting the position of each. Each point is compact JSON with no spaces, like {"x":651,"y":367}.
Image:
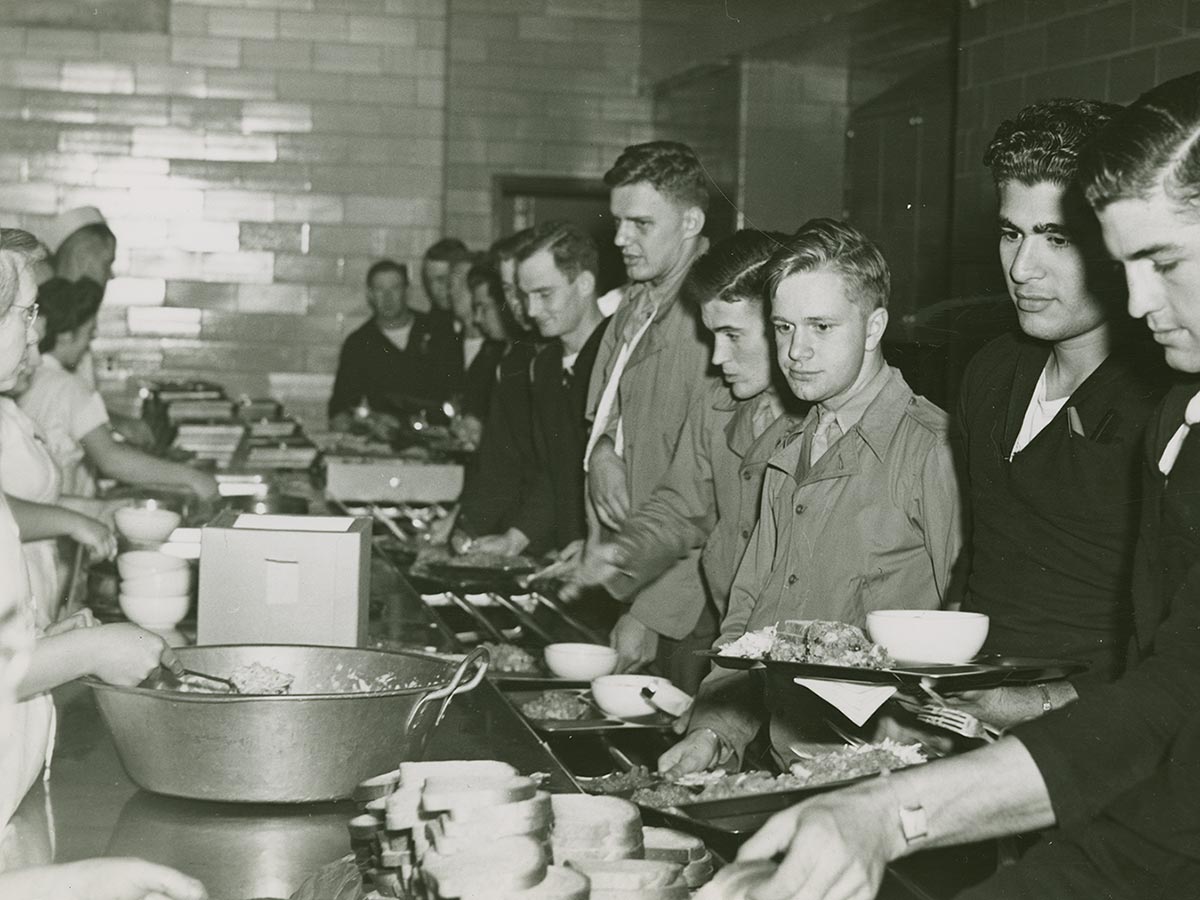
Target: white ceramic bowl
{"x":164,"y":583}
{"x":142,"y":562}
{"x":621,"y":695}
{"x":580,"y":662}
{"x":928,"y":635}
{"x":145,"y":525}
{"x":158,"y":613}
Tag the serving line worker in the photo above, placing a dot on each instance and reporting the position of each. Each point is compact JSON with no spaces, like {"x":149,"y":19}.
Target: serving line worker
{"x":398,"y":360}
{"x":29,"y":477}
{"x":32,"y":665}
{"x":71,"y":414}
{"x":1117,"y":770}
{"x":1052,"y":421}
{"x":83,"y":246}
{"x":651,"y":365}
{"x":860,"y":506}
{"x":710,"y":494}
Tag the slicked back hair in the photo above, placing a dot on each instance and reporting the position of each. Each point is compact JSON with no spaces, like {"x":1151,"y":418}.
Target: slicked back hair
{"x":386,"y":265}
{"x":448,"y":249}
{"x":671,"y":168}
{"x":830,"y":245}
{"x":1156,"y":140}
{"x":573,"y":249}
{"x":1043,"y":141}
{"x":733,"y":269}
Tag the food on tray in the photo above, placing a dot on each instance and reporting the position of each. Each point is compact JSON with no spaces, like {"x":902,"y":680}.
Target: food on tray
{"x":477,"y":559}
{"x":255,"y":678}
{"x":854,"y":762}
{"x":563,"y":705}
{"x":663,"y":796}
{"x":619,"y":782}
{"x":513,"y":659}
{"x":751,"y":645}
{"x":838,"y":765}
{"x":803,"y":641}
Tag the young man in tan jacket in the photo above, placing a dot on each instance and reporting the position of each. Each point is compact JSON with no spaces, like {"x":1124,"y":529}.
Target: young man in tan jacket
{"x":860,"y":504}
{"x":650,"y":366}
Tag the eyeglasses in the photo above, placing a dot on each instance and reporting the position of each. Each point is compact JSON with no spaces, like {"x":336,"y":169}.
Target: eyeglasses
{"x":30,"y":312}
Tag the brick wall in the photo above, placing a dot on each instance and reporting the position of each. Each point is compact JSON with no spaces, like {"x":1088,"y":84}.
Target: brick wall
{"x":1015,"y":52}
{"x":541,"y":87}
{"x":252,"y":161}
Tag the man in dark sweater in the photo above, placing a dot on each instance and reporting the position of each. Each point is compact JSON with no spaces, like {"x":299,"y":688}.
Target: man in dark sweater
{"x":556,"y":274}
{"x":398,"y":361}
{"x":1118,"y":769}
{"x":1052,"y":420}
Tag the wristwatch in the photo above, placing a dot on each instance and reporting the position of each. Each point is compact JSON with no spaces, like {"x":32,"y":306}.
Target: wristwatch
{"x":914,"y":823}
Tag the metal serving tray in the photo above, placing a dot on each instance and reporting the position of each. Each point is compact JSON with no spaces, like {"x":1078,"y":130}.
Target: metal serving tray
{"x":988,"y":670}
{"x":595,"y":720}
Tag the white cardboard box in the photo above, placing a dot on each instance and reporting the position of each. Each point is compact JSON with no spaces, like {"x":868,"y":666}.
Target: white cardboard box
{"x":284,"y":580}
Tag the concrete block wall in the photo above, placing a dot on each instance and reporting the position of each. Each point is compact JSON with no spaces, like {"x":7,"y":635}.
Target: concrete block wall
{"x":537,"y":87}
{"x":253,"y":161}
{"x":1017,"y":51}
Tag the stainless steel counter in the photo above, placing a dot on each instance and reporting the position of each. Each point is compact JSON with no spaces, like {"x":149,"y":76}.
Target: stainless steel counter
{"x":91,"y":808}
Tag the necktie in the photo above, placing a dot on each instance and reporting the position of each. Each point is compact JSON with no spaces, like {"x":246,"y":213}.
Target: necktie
{"x":1191,"y":416}
{"x":827,"y":434}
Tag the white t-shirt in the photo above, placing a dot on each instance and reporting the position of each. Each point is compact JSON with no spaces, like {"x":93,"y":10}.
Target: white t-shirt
{"x":65,"y":409}
{"x":471,"y":348}
{"x":399,"y":336}
{"x":1037,"y":416}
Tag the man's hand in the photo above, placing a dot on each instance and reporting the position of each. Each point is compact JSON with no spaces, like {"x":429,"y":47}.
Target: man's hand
{"x":511,"y":543}
{"x":125,"y":654}
{"x":835,"y":846}
{"x":119,"y":879}
{"x":1005,"y":707}
{"x":95,"y":536}
{"x":85,"y":618}
{"x":606,"y":485}
{"x":203,"y":485}
{"x":467,"y":430}
{"x":636,"y":645}
{"x":566,"y":561}
{"x":698,"y":752}
{"x":600,"y":563}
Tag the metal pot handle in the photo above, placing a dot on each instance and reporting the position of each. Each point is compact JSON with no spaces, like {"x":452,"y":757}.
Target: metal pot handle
{"x":479,"y":657}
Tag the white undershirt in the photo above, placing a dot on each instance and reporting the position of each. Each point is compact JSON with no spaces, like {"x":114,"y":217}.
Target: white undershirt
{"x":568,"y":361}
{"x":471,"y":348}
{"x":1039,"y":414}
{"x":399,"y":336}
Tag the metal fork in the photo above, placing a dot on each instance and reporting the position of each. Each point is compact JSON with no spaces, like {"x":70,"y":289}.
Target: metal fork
{"x":959,"y":722}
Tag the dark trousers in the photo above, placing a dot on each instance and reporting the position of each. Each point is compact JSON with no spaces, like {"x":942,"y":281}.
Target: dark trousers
{"x":677,"y":660}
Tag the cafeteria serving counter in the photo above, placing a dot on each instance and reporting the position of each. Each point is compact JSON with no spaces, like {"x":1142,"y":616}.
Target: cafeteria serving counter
{"x":90,"y":807}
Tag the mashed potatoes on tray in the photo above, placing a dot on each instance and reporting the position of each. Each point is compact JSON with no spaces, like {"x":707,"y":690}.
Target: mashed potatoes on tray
{"x":802,"y":641}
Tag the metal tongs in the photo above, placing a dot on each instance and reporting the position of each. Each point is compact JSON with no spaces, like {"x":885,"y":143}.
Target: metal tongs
{"x":200,"y":679}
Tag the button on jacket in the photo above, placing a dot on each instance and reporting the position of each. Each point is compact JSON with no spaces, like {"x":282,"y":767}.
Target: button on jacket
{"x":876,"y":523}
{"x":709,"y":497}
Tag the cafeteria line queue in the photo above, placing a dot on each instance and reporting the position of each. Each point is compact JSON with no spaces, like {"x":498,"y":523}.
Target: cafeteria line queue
{"x":867,"y":499}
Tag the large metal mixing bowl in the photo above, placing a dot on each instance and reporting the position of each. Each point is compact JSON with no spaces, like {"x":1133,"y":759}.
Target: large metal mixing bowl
{"x":294,"y":748}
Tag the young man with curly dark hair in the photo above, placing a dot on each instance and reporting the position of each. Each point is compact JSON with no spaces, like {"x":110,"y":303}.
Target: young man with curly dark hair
{"x":1052,"y":418}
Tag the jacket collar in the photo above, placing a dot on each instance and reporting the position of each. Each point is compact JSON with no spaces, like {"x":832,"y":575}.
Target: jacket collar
{"x":877,"y":427}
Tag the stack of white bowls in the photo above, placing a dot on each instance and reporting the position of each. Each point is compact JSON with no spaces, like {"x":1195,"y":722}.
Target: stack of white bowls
{"x":156,"y":589}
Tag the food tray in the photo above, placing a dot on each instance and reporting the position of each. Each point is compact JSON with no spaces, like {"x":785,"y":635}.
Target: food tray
{"x":466,"y":578}
{"x":595,"y":721}
{"x":988,"y":670}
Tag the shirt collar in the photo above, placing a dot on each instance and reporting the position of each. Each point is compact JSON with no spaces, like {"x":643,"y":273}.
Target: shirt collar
{"x":852,"y":411}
